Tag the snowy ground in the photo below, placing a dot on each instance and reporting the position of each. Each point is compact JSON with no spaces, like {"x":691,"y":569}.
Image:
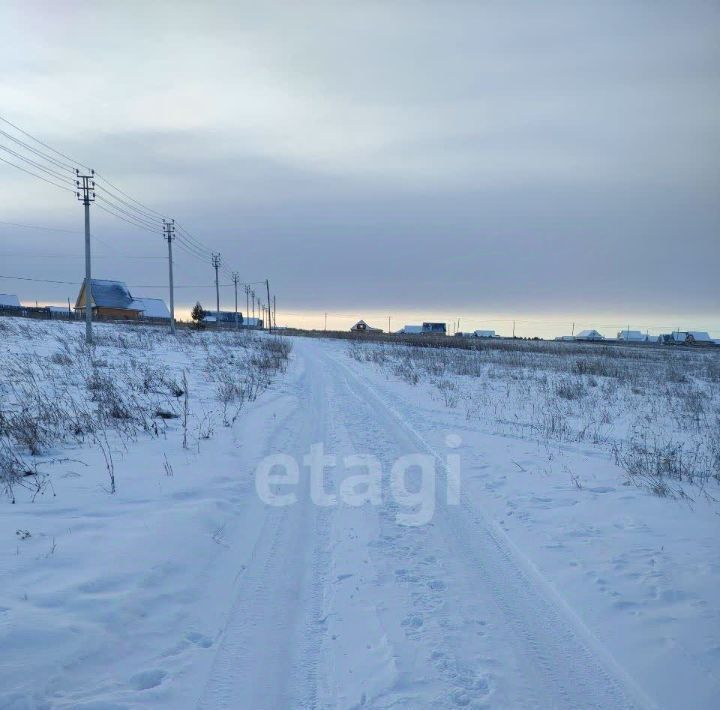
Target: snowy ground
{"x":187,"y":590}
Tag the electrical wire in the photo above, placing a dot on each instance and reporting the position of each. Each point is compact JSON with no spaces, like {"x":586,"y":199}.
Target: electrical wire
{"x":149,"y":225}
{"x":40,"y":177}
{"x":39,"y":153}
{"x":125,"y":219}
{"x":117,"y":189}
{"x":76,"y":283}
{"x":80,"y":256}
{"x":116,"y":201}
{"x":128,"y":205}
{"x":190,"y":249}
{"x":189,"y":237}
{"x":35,"y":226}
{"x":38,"y":166}
{"x":45,"y":145}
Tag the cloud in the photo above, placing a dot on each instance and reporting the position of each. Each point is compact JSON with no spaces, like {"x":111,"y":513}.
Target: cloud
{"x":471,"y":153}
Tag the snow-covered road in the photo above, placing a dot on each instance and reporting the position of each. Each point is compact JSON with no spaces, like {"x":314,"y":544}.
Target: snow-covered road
{"x":536,"y":579}
{"x":341,"y":606}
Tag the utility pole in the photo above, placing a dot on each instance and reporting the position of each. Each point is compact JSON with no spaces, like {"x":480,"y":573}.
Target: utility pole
{"x":252,"y":300}
{"x":236,"y":278}
{"x":247,"y":300}
{"x":86,"y":183}
{"x":389,"y":329}
{"x":267,"y":288}
{"x":274,"y":311}
{"x":216,"y":261}
{"x":513,"y":329}
{"x":169,"y":232}
{"x":326,"y":321}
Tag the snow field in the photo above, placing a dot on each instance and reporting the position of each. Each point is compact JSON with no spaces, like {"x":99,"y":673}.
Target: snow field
{"x":555,"y":581}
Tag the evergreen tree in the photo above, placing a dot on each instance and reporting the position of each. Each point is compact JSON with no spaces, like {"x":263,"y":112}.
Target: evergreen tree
{"x":197,"y":314}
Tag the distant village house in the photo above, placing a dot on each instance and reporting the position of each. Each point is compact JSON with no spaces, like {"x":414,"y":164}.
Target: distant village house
{"x":632,"y":336}
{"x":687,"y":337}
{"x":426,"y":328}
{"x":362,"y":327}
{"x":9,"y":302}
{"x":112,"y":299}
{"x":589,"y":335}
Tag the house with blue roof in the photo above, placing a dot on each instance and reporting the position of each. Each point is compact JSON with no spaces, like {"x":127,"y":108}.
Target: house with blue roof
{"x":112,"y":299}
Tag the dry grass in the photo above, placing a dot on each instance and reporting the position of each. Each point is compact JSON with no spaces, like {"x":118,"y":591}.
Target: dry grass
{"x":56,"y":391}
{"x":657,"y":410}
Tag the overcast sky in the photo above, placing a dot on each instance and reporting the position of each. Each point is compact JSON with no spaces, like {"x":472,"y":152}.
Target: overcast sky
{"x":463,"y":157}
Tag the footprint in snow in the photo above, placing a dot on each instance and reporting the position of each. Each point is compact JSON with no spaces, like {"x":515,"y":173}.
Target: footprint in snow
{"x":146,"y":680}
{"x":414,"y":621}
{"x":199,"y":639}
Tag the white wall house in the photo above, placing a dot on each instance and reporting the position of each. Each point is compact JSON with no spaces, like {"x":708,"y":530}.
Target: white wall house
{"x":589,"y":335}
{"x":632,"y":336}
{"x":411,"y":330}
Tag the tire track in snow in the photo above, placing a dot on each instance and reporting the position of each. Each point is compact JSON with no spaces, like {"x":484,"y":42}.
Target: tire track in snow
{"x":453,"y":672}
{"x":268,"y":649}
{"x":568,"y":665}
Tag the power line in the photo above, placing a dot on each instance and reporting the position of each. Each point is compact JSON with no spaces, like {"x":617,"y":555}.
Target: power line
{"x":192,"y":249}
{"x":37,"y":152}
{"x":78,"y":256}
{"x":118,"y":253}
{"x":128,"y":205}
{"x":117,"y":189}
{"x":189,"y":250}
{"x":40,"y":177}
{"x":185,"y":240}
{"x":37,"y":165}
{"x":45,"y":229}
{"x":117,"y":202}
{"x":125,"y":219}
{"x":77,"y":283}
{"x":189,"y":237}
{"x":45,"y":145}
{"x":45,"y":281}
{"x":131,"y":215}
